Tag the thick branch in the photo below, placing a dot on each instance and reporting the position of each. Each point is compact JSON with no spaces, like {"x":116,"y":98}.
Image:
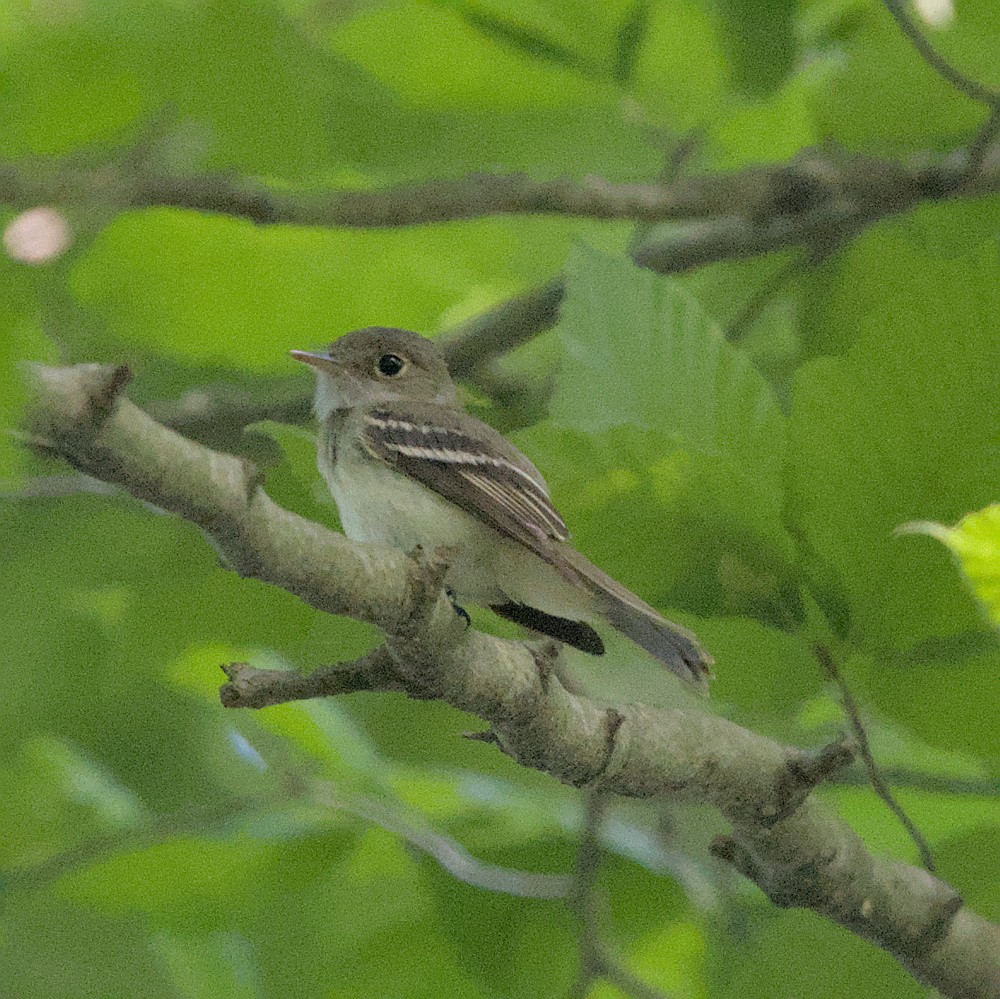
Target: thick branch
{"x":788,"y":843}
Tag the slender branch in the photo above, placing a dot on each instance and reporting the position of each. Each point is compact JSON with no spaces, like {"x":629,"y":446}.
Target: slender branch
{"x":760,"y":194}
{"x":206,"y":415}
{"x":814,"y":202}
{"x":595,"y":960}
{"x":751,"y":193}
{"x":790,"y":844}
{"x":937,"y":62}
{"x":878,"y":783}
{"x":914,"y":780}
{"x":451,"y":855}
{"x":744,"y":320}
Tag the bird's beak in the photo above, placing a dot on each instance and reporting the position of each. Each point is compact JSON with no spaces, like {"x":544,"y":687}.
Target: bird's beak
{"x":322,"y":361}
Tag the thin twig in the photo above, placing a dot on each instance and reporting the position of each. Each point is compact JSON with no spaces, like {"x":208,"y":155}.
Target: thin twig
{"x":744,"y":320}
{"x":595,"y":961}
{"x":913,"y":780}
{"x":983,"y":141}
{"x":451,"y":855}
{"x":832,"y":672}
{"x":971,"y":88}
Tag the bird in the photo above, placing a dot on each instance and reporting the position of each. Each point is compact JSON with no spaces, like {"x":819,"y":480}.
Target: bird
{"x":409,"y":466}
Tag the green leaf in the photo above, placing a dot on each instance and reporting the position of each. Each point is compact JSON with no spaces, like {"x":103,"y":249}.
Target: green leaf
{"x":575,"y":33}
{"x":276,"y":288}
{"x":760,"y":40}
{"x":825,"y":961}
{"x":434,"y":58}
{"x":676,"y":440}
{"x":681,"y":71}
{"x":765,"y":671}
{"x":209,"y":966}
{"x":888,"y":93}
{"x":937,"y":816}
{"x":961,"y":862}
{"x":295,"y":483}
{"x":975,"y":541}
{"x":97,"y":955}
{"x":644,"y":347}
{"x":940,"y":701}
{"x":682,"y":528}
{"x":902,"y":427}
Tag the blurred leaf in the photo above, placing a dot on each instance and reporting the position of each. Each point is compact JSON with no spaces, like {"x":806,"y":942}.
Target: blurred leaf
{"x":765,"y":671}
{"x":643,"y":346}
{"x":207,"y":967}
{"x":513,"y":946}
{"x":232,"y":68}
{"x":902,"y":427}
{"x":975,"y":541}
{"x":53,"y":948}
{"x":888,"y":94}
{"x":954,"y":228}
{"x":691,"y":529}
{"x":577,"y":33}
{"x":670,"y":958}
{"x":434,"y":58}
{"x":938,"y":817}
{"x":680,"y":72}
{"x":685,"y":447}
{"x":21,"y":339}
{"x":296,"y":484}
{"x":796,"y":953}
{"x":760,"y":40}
{"x":271,"y":289}
{"x":775,"y":126}
{"x":961,"y":862}
{"x":893,"y":745}
{"x":88,"y":784}
{"x":940,"y":701}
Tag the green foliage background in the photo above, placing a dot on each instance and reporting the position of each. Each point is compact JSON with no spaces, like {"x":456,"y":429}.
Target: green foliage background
{"x":152,"y":844}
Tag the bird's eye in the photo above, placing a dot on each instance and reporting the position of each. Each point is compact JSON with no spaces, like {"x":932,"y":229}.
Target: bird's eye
{"x":391,"y":364}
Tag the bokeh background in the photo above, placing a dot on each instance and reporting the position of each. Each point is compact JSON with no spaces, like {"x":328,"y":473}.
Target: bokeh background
{"x":738,"y":443}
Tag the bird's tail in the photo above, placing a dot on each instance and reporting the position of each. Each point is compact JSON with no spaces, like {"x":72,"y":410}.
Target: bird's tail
{"x":674,"y":646}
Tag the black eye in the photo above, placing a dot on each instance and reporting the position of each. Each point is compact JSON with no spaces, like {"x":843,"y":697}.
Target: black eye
{"x":390,"y":364}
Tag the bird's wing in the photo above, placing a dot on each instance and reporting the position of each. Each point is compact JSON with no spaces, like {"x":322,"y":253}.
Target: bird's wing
{"x":477,"y":470}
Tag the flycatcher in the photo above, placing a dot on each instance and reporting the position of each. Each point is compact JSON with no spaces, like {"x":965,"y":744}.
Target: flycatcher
{"x":407,"y":466}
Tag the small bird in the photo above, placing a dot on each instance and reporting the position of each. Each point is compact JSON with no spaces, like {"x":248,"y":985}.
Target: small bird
{"x":408,"y":466}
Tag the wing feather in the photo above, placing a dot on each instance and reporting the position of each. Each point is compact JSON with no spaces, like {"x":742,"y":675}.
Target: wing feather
{"x":478,"y":471}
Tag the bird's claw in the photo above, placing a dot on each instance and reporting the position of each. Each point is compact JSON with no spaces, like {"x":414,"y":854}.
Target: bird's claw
{"x":460,"y":611}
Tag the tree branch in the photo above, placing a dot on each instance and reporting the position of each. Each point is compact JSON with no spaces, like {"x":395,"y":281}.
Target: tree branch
{"x":760,"y":193}
{"x":816,"y":202}
{"x":793,"y":847}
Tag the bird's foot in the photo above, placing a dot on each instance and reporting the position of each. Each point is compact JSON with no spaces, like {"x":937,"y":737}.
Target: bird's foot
{"x":460,"y":611}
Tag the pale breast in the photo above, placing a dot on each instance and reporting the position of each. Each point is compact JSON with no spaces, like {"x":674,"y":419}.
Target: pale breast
{"x":378,"y":504}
